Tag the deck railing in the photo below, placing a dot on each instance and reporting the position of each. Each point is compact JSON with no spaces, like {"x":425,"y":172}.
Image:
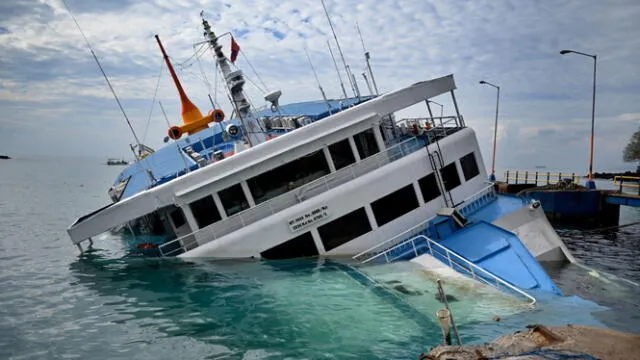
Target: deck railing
{"x":627,"y":182}
{"x":288,"y":199}
{"x":421,"y":244}
{"x":536,"y":177}
{"x":467,"y":207}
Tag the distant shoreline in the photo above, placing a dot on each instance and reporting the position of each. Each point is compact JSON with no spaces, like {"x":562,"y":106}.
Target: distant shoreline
{"x":609,"y":176}
{"x":4,"y":157}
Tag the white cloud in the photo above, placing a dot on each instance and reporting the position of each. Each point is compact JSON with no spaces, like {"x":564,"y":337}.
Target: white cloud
{"x":545,"y":104}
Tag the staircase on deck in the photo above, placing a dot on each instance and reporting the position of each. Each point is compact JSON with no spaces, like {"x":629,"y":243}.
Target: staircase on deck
{"x":479,"y":250}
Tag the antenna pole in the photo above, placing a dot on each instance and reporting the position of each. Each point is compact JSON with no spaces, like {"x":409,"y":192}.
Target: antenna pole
{"x":324,"y":96}
{"x":344,"y":92}
{"x":354,"y":83}
{"x":338,"y":44}
{"x":103,"y":73}
{"x":366,"y":59}
{"x":364,"y":75}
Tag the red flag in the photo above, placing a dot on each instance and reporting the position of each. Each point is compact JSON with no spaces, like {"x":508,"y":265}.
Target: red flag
{"x":235,"y":49}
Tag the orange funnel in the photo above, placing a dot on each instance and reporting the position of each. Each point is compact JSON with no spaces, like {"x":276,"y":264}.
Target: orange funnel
{"x":190,"y":113}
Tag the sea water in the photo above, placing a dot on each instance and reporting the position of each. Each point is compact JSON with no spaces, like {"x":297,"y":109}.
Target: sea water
{"x":55,"y":303}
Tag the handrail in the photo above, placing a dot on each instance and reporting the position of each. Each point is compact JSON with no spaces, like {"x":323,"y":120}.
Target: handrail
{"x":468,"y":203}
{"x":290,"y":198}
{"x":620,"y":182}
{"x":473,"y":268}
{"x":539,"y":177}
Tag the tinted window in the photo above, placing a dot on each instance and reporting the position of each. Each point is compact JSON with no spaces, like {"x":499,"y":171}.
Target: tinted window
{"x":299,"y":246}
{"x":429,"y":187}
{"x":394,"y":205}
{"x":366,"y":143}
{"x":288,"y":176}
{"x":177,"y":217}
{"x":341,"y":154}
{"x":233,"y":199}
{"x":469,"y":166}
{"x":344,"y":229}
{"x":450,"y":176}
{"x":205,"y":211}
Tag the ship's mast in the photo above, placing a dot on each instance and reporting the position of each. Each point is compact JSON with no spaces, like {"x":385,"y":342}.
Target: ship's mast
{"x":235,"y":83}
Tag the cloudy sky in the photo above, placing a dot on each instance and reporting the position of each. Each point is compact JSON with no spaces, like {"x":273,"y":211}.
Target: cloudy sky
{"x":54,"y":101}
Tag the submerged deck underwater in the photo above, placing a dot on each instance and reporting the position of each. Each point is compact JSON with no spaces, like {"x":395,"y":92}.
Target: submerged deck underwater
{"x":56,"y":304}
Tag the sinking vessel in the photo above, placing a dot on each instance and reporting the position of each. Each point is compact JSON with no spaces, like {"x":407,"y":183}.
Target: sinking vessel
{"x":349,"y":178}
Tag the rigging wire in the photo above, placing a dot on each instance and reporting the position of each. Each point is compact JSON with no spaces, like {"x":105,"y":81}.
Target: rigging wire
{"x":242,"y":53}
{"x":103,"y":73}
{"x":155,"y":94}
{"x":204,"y":75}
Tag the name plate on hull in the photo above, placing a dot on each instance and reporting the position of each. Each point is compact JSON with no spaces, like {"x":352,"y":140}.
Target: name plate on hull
{"x":309,"y":218}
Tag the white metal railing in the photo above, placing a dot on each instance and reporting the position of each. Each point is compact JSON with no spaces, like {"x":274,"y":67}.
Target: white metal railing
{"x":472,"y":269}
{"x":468,"y":206}
{"x":290,"y":198}
{"x":477,"y":201}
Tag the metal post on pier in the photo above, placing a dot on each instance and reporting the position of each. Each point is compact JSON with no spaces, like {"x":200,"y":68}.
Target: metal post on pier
{"x":590,"y":184}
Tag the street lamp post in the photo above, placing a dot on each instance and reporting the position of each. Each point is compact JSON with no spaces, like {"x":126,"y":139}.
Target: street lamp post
{"x":492,"y":177}
{"x":590,"y":183}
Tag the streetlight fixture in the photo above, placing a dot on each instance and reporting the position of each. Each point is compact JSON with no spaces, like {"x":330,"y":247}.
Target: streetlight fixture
{"x":590,"y":184}
{"x":492,"y":177}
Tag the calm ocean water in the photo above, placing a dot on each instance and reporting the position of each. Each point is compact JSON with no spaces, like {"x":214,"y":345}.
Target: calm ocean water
{"x":57,"y":304}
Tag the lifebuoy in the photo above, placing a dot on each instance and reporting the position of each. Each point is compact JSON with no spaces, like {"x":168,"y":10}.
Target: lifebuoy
{"x":175,"y":132}
{"x":218,"y":115}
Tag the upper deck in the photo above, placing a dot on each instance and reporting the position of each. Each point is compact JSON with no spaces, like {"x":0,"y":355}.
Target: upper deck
{"x":259,"y":159}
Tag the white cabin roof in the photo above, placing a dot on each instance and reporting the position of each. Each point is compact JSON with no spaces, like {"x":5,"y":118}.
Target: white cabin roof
{"x":166,"y":194}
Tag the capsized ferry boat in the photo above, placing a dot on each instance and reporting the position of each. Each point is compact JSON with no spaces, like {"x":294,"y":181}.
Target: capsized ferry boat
{"x":354,"y":178}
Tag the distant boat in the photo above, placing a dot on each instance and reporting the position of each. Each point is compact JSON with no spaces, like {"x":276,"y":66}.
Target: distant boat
{"x":4,"y":157}
{"x":117,"y":162}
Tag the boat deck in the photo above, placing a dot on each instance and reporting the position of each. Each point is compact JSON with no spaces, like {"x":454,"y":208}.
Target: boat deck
{"x":503,"y":205}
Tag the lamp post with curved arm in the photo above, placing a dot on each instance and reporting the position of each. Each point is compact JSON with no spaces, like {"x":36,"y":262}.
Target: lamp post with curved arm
{"x":492,"y":177}
{"x":590,"y":183}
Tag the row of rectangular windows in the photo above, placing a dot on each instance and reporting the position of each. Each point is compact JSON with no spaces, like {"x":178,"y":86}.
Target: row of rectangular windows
{"x":385,"y":209}
{"x":281,"y":179}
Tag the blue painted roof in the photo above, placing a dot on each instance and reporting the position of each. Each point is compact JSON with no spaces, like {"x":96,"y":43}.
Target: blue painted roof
{"x":315,"y":110}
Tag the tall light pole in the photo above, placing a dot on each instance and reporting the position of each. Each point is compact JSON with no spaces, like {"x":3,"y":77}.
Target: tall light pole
{"x":492,"y":177}
{"x":590,"y":183}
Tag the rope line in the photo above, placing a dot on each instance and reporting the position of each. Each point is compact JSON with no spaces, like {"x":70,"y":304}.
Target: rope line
{"x":155,"y":94}
{"x":102,"y":71}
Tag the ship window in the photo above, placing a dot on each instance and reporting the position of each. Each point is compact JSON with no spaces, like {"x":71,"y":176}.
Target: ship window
{"x":288,"y":176}
{"x":469,"y":166}
{"x":205,"y":211}
{"x":394,"y":205}
{"x":341,"y":154}
{"x":233,"y":199}
{"x":299,"y":246}
{"x":344,"y":229}
{"x":177,"y":217}
{"x":450,"y":176}
{"x":429,"y":187}
{"x":366,"y":143}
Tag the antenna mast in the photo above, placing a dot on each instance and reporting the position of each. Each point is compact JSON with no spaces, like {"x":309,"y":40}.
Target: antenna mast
{"x":324,"y":96}
{"x":104,"y":74}
{"x":344,"y":92}
{"x":339,"y":49}
{"x":366,"y":59}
